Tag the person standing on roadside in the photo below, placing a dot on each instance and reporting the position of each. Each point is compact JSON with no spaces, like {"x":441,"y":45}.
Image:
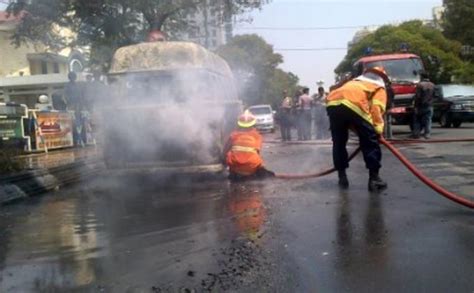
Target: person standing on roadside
{"x":321,"y":120}
{"x":297,"y":114}
{"x":75,"y":102}
{"x":423,"y":107}
{"x":285,"y":117}
{"x":305,"y":102}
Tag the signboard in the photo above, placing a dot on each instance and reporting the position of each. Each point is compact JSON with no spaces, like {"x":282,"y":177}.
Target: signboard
{"x":11,"y":123}
{"x":54,"y":129}
{"x":11,"y":127}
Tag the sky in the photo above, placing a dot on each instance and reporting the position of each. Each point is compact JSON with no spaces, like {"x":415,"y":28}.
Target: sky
{"x":312,"y":66}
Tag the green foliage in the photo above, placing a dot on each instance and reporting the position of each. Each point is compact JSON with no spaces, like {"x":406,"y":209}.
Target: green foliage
{"x":440,"y":55}
{"x":255,"y":66}
{"x":280,"y":81}
{"x":458,"y":21}
{"x":105,"y":25}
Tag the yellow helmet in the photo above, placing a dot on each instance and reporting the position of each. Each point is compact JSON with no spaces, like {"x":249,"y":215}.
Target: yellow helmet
{"x":247,"y":120}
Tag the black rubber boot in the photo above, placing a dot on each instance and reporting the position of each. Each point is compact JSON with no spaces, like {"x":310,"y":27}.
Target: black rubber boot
{"x":343,"y":182}
{"x":375,"y":182}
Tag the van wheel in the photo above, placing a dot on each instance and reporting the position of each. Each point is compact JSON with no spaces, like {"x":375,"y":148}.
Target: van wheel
{"x":444,"y":121}
{"x":457,"y":124}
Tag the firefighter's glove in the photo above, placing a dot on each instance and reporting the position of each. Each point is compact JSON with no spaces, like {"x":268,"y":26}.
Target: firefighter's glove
{"x":379,"y":129}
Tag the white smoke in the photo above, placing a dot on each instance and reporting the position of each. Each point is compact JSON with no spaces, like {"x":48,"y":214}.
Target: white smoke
{"x":179,"y":116}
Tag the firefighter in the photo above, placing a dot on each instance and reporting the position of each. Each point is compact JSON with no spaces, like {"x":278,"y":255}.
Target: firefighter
{"x":243,"y":151}
{"x":359,"y":104}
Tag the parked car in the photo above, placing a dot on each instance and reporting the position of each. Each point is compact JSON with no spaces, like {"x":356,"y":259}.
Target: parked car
{"x":453,"y":105}
{"x":264,"y":115}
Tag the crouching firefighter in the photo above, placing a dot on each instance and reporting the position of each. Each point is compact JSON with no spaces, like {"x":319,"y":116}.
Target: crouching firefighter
{"x":359,"y":105}
{"x":242,"y":151}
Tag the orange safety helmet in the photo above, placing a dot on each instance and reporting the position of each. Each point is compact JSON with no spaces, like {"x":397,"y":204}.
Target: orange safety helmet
{"x":247,"y":120}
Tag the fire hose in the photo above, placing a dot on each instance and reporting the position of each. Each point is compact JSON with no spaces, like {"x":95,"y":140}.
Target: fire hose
{"x":425,"y":179}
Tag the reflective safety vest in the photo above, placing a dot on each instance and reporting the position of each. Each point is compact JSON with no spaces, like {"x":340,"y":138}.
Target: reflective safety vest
{"x":365,"y":98}
{"x":244,"y":155}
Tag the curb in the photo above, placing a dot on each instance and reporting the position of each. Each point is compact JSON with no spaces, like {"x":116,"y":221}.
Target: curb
{"x":35,"y":182}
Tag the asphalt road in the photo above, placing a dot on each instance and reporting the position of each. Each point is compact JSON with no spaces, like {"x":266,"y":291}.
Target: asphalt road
{"x":136,"y":234}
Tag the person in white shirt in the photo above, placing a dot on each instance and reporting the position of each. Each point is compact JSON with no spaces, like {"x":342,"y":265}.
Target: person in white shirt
{"x":305,"y":102}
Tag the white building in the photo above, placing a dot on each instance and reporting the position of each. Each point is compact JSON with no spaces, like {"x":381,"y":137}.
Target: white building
{"x":210,"y":28}
{"x":438,"y":16}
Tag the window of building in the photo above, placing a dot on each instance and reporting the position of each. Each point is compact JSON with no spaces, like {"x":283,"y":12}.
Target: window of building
{"x":55,"y":67}
{"x":44,"y":67}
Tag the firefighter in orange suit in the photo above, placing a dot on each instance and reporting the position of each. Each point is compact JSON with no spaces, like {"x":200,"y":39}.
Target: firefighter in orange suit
{"x":359,"y":104}
{"x":243,"y":151}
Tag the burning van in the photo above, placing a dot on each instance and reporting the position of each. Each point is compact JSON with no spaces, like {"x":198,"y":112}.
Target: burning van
{"x":171,"y":106}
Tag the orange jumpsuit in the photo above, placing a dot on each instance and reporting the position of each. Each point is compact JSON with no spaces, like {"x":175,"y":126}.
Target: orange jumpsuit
{"x":243,"y":154}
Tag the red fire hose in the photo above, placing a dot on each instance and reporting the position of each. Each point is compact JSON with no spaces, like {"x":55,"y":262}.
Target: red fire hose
{"x":433,"y":185}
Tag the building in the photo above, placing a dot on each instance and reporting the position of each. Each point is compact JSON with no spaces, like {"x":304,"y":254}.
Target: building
{"x":210,"y":28}
{"x":32,"y":69}
{"x":33,"y":59}
{"x":438,"y":16}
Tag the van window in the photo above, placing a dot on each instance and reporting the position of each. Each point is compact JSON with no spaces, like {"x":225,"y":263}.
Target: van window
{"x":172,"y":87}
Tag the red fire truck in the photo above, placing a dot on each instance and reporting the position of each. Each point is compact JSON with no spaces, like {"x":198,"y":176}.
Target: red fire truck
{"x":403,"y":70}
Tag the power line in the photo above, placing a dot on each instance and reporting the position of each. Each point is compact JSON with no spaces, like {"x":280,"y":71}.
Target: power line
{"x":310,"y":49}
{"x":276,"y":28}
{"x":303,"y":28}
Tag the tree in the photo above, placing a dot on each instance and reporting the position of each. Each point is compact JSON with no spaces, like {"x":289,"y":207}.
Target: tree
{"x":458,"y":21}
{"x":254,"y":64}
{"x":105,"y":25}
{"x":440,"y":55}
{"x":458,"y":24}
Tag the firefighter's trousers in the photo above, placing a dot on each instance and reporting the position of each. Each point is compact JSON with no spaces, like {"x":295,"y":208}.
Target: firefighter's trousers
{"x":341,"y":119}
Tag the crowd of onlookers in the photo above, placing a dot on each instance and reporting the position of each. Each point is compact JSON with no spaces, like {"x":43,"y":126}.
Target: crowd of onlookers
{"x":305,"y":113}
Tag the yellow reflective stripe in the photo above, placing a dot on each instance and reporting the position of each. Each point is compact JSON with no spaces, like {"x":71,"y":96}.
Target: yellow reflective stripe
{"x":246,"y":124}
{"x":379,"y":103}
{"x":353,"y":107}
{"x":244,"y":149}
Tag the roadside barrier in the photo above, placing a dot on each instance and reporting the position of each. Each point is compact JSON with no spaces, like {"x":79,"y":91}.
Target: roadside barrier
{"x":410,"y":166}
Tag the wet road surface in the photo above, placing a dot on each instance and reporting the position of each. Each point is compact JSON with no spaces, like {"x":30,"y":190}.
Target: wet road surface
{"x":120,"y":234}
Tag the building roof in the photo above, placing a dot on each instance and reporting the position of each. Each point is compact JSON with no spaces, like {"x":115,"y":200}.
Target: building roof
{"x":47,"y":57}
{"x":166,"y":56}
{"x":381,"y":57}
{"x":5,"y":17}
{"x":36,"y":80}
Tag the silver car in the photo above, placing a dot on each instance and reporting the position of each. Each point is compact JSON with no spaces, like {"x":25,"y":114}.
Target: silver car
{"x":264,"y":115}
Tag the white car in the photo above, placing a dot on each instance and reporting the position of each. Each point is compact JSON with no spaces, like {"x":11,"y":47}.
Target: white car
{"x":264,"y":115}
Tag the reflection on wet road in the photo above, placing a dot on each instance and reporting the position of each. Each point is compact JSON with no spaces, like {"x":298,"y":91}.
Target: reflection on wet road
{"x":118,"y":234}
{"x":108,"y":234}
